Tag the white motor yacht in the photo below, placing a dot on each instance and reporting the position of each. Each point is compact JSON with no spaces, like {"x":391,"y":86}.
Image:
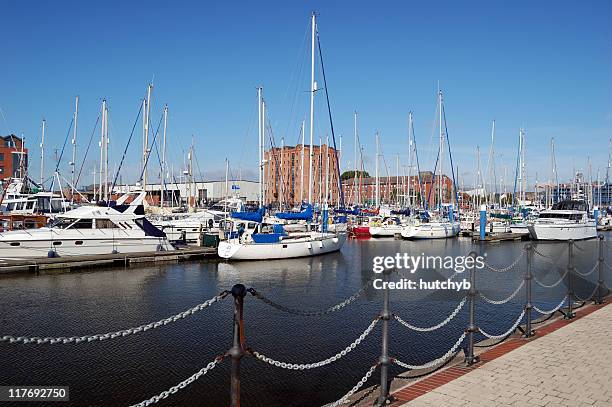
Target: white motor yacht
{"x":566,"y":220}
{"x":88,"y":230}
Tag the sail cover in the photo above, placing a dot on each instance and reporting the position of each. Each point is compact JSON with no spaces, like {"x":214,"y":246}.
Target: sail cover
{"x":305,"y":214}
{"x":249,"y":216}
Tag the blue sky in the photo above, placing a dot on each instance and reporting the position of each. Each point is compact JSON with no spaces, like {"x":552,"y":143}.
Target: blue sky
{"x":542,"y":65}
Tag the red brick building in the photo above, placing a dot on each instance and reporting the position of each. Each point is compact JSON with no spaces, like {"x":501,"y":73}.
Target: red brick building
{"x":283,"y":174}
{"x":364,"y":190}
{"x":13,"y":157}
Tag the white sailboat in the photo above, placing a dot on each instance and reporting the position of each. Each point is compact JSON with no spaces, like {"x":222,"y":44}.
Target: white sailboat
{"x":250,"y":238}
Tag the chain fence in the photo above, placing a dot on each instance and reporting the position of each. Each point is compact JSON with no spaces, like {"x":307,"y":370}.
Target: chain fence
{"x":508,"y":332}
{"x":331,"y":359}
{"x":541,"y":284}
{"x":552,"y":311}
{"x":505,"y":300}
{"x":355,"y":388}
{"x":112,"y":335}
{"x":174,"y":389}
{"x":589,"y":297}
{"x":508,"y":267}
{"x":434,"y":362}
{"x":312,"y":313}
{"x":434,"y":327}
{"x":588,"y":272}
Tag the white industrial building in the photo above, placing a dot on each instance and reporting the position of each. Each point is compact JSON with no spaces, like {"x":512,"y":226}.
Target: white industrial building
{"x":204,"y":192}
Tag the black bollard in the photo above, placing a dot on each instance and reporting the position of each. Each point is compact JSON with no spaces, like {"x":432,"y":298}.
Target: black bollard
{"x":570,"y":289}
{"x":236,"y":352}
{"x":600,"y":280}
{"x":470,"y":359}
{"x":528,"y":277}
{"x":384,"y":360}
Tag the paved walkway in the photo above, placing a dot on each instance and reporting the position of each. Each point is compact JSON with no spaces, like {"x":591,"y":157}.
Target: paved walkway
{"x":567,"y":364}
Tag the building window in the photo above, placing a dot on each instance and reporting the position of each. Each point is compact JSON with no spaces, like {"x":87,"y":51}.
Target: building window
{"x":1,"y":156}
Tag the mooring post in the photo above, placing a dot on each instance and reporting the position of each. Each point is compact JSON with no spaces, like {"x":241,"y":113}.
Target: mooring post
{"x":600,"y":280}
{"x":470,"y":359}
{"x":570,"y":289}
{"x":528,"y":277}
{"x":384,"y":360}
{"x":236,"y":352}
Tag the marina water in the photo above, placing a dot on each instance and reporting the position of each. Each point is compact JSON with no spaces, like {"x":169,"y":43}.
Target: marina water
{"x":124,"y":371}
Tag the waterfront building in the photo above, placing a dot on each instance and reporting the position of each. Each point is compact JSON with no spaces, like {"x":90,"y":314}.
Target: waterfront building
{"x":13,"y":157}
{"x":284,"y":167}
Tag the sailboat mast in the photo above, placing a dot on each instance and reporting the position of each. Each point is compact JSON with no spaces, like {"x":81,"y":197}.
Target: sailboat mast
{"x":262,"y":152}
{"x":74,"y":135}
{"x":441,"y":154}
{"x":102,"y":148}
{"x":145,"y":151}
{"x":312,"y":93}
{"x":259,"y":149}
{"x":397,"y":177}
{"x":280,"y":177}
{"x":163,"y":160}
{"x":377,"y":201}
{"x":106,"y":192}
{"x":355,"y":160}
{"x":42,"y":153}
{"x":326,"y":169}
{"x":302,"y":166}
{"x":409,"y":156}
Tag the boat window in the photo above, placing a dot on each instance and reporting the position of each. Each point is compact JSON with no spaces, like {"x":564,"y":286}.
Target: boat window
{"x":78,"y":242}
{"x":61,"y":223}
{"x":10,"y":206}
{"x":57,"y":243}
{"x":83,"y":224}
{"x":105,"y":224}
{"x":14,"y":244}
{"x":56,"y":205}
{"x":251,"y":225}
{"x":43,"y":204}
{"x":126,"y":225}
{"x":30,"y":205}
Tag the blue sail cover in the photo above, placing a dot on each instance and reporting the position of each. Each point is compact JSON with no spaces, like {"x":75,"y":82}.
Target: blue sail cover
{"x":249,"y":216}
{"x":305,"y":214}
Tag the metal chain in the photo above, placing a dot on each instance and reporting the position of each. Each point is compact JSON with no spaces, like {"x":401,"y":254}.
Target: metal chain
{"x":174,"y":389}
{"x":552,"y":310}
{"x":112,"y":335}
{"x":608,"y":265}
{"x":546,"y":258}
{"x":508,"y":332}
{"x":306,"y":366}
{"x":588,"y":272}
{"x":355,"y":388}
{"x":552,"y":285}
{"x":590,"y":296}
{"x":435,"y":361}
{"x":437,"y":326}
{"x":314,"y":313}
{"x":508,"y":267}
{"x":505,"y":300}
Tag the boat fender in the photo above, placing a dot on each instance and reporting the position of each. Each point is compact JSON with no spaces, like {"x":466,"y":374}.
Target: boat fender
{"x":114,"y":251}
{"x":51,"y":254}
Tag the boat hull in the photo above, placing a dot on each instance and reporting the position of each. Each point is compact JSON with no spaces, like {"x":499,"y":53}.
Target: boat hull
{"x":286,"y":249}
{"x":385,"y":231}
{"x":430,"y":231}
{"x":577,"y":231}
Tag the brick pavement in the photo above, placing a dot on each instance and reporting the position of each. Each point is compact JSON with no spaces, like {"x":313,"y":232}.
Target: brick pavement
{"x":568,"y":363}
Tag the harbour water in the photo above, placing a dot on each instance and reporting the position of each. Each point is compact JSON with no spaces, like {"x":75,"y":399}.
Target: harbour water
{"x":124,"y":371}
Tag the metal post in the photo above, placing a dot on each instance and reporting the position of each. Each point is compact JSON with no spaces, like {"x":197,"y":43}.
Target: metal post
{"x":570,"y":289}
{"x":600,"y":280}
{"x":384,"y":360}
{"x":470,"y":359}
{"x":528,"y":277}
{"x":236,"y":352}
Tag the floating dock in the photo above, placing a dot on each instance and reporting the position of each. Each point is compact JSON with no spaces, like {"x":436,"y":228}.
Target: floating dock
{"x":69,"y":263}
{"x":499,"y":237}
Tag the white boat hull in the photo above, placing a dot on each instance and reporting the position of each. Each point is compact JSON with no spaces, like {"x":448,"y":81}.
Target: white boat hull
{"x":285,"y":249}
{"x":565,"y":231}
{"x":431,"y":230}
{"x":77,"y":245}
{"x":385,"y":231}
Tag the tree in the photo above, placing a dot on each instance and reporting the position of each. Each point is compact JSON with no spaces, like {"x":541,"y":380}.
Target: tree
{"x":351,"y":174}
